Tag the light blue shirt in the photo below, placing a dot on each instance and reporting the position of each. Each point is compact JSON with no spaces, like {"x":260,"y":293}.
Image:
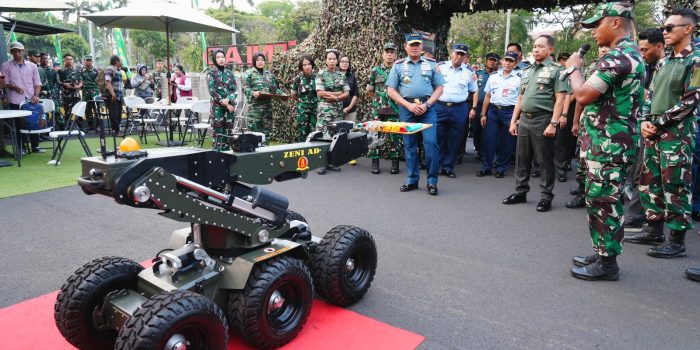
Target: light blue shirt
{"x":459,"y":82}
{"x":414,"y":79}
{"x":504,"y":91}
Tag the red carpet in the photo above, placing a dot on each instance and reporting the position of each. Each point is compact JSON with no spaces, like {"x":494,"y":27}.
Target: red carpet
{"x":30,"y":325}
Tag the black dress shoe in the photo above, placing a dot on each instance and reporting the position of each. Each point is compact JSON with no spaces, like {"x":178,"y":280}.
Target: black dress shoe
{"x":535,"y":174}
{"x":432,"y":190}
{"x":577,"y":202}
{"x":515,"y":198}
{"x":544,"y":205}
{"x":584,"y":260}
{"x":498,"y":175}
{"x":408,"y":187}
{"x":562,"y":178}
{"x":450,"y":174}
{"x":693,"y":274}
{"x":483,"y":173}
{"x":603,"y":269}
{"x":422,"y":166}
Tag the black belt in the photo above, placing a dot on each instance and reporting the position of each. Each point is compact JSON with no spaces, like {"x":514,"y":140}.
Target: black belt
{"x":501,"y":107}
{"x":452,"y":104}
{"x":535,"y":114}
{"x":417,"y":99}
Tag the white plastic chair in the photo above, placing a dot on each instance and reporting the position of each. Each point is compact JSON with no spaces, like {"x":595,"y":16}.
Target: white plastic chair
{"x":71,"y":129}
{"x":202,"y":108}
{"x":184,"y":119}
{"x":49,"y":107}
{"x":138,"y":118}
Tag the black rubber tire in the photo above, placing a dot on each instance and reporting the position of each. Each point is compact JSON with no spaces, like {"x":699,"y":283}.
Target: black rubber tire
{"x":332,"y":281}
{"x":192,"y":315}
{"x":248,"y":308}
{"x":292,"y":215}
{"x":83,"y":292}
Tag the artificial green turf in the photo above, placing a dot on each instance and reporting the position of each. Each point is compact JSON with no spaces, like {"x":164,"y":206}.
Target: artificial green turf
{"x":35,"y":175}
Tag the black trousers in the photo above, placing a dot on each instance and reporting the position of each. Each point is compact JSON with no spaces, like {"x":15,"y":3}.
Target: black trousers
{"x":473,"y":126}
{"x":114,"y":107}
{"x":533,"y":145}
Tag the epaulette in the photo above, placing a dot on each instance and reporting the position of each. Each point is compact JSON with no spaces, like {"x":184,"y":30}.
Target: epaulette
{"x":430,"y":59}
{"x":556,"y":64}
{"x":400,"y":61}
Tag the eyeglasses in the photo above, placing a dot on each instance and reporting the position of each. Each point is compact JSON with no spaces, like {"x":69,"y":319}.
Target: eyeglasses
{"x":669,"y":27}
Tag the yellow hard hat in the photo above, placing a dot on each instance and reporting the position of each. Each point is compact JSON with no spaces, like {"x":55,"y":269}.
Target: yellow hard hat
{"x":129,"y":145}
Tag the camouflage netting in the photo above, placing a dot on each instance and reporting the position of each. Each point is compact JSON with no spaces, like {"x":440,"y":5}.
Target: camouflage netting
{"x":360,"y":28}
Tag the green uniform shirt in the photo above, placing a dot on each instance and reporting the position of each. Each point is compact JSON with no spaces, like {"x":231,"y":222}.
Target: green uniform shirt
{"x":610,"y":120}
{"x":674,"y":90}
{"x":305,"y":87}
{"x":48,"y":82}
{"x":381,"y":103}
{"x":539,"y":84}
{"x":89,"y":77}
{"x":265,"y":82}
{"x":71,"y":76}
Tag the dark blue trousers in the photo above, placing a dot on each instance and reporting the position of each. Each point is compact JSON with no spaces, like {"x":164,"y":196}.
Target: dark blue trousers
{"x":451,"y":122}
{"x":410,"y":146}
{"x":497,"y":140}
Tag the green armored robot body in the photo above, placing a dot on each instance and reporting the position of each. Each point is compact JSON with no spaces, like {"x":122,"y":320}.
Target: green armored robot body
{"x":236,"y":233}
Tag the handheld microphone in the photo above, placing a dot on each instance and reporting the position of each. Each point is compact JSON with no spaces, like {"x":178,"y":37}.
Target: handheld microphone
{"x":581,"y":52}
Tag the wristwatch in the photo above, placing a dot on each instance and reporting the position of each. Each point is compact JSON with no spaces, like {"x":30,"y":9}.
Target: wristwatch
{"x":571,"y":69}
{"x":428,"y":104}
{"x":554,"y":123}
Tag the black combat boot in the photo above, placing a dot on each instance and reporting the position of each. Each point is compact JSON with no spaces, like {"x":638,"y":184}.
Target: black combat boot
{"x":673,"y":248}
{"x":652,"y":233}
{"x":579,"y":201}
{"x":394,"y":166}
{"x":580,"y":260}
{"x":603,"y":269}
{"x":375,"y":166}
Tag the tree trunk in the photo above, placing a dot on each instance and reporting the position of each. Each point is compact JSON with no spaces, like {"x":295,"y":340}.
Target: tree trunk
{"x":80,"y":31}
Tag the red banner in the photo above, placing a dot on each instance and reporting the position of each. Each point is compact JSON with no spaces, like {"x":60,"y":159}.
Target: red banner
{"x":233,"y":53}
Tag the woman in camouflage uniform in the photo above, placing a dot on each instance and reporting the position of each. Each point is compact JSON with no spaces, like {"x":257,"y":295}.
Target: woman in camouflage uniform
{"x":222,"y":88}
{"x":303,"y":90}
{"x":257,"y":81}
{"x":331,"y":88}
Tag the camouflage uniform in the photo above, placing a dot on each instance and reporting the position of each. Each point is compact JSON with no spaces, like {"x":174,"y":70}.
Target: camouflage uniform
{"x":666,"y":173}
{"x":158,"y":82}
{"x":90,"y":89}
{"x":608,"y":142}
{"x":384,"y":109}
{"x":581,"y":170}
{"x":70,"y":96}
{"x":260,"y":110}
{"x":222,"y":85}
{"x":305,"y":120}
{"x":329,"y":111}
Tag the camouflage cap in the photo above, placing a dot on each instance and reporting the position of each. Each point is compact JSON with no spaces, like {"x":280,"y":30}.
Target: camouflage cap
{"x":611,"y":9}
{"x":389,"y":46}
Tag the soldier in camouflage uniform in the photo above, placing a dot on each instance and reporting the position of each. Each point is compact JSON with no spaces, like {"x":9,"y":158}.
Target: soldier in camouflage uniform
{"x":71,"y":83}
{"x":612,"y":97}
{"x":223,"y":91}
{"x":669,"y":127}
{"x":158,"y":76}
{"x":303,"y":89}
{"x":384,"y":109}
{"x":579,"y":193}
{"x":90,"y":90}
{"x":49,"y":82}
{"x":331,"y":88}
{"x":258,"y":80}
